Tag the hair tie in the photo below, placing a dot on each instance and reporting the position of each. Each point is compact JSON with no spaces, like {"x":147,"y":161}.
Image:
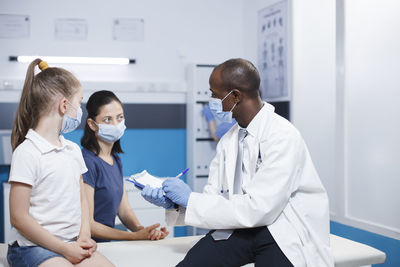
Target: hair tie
{"x":43,"y":65}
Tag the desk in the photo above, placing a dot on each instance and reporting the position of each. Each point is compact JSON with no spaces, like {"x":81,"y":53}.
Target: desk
{"x":169,"y":252}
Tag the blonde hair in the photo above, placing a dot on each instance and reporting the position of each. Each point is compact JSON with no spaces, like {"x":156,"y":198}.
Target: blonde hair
{"x":37,"y":95}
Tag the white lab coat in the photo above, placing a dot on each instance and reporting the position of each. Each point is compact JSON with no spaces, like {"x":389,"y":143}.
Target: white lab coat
{"x":284,"y":192}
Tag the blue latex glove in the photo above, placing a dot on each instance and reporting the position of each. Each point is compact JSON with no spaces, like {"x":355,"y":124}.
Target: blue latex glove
{"x":177,"y":191}
{"x":156,"y":197}
{"x":206,"y":111}
{"x":223,"y":128}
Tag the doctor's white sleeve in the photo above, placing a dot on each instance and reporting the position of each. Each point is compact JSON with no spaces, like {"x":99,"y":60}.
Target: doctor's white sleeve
{"x":177,"y":217}
{"x":266,"y":196}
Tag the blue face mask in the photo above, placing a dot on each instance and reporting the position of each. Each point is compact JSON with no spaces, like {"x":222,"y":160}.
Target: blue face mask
{"x":111,"y":133}
{"x":69,"y":124}
{"x":215,"y":105}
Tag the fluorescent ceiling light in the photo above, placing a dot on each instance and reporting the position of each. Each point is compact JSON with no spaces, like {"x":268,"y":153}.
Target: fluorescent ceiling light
{"x":76,"y":60}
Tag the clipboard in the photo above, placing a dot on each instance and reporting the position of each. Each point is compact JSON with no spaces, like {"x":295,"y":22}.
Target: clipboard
{"x":140,"y":180}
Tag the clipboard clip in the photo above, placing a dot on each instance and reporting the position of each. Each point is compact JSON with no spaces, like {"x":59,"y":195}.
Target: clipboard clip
{"x":137,"y":184}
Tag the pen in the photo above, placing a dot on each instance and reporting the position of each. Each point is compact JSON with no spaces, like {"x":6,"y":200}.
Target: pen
{"x":182,"y":173}
{"x":138,"y":185}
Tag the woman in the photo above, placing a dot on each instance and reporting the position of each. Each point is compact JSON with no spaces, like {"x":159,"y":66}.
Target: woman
{"x":104,"y":185}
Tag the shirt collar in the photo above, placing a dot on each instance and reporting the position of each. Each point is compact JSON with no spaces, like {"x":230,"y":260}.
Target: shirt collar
{"x":252,"y":128}
{"x":43,"y":145}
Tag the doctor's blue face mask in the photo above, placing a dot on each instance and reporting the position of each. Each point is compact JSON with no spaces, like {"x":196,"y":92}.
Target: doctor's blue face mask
{"x":215,"y":105}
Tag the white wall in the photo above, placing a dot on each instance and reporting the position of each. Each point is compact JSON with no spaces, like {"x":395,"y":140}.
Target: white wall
{"x":372,"y":129}
{"x":176,"y":32}
{"x":314,"y":91}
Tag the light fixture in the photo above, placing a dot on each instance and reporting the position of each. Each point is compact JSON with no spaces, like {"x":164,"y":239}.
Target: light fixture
{"x":76,"y":60}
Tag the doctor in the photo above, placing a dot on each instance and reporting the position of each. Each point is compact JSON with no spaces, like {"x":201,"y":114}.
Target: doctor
{"x":264,"y":197}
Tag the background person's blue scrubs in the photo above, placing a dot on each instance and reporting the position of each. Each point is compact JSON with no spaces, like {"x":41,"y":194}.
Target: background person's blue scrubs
{"x":224,"y":127}
{"x":107,"y":181}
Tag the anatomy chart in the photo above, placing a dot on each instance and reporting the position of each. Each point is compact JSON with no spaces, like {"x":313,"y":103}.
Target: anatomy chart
{"x":272,"y":51}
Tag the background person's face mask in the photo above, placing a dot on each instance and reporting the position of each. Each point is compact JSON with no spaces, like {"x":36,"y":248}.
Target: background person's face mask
{"x":69,"y":124}
{"x":110,"y":133}
{"x":215,"y":105}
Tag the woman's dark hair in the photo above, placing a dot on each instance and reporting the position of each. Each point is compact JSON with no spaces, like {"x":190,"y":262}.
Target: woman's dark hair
{"x":95,"y":102}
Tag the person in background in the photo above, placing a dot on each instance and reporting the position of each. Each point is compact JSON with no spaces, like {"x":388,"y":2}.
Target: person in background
{"x":223,"y":127}
{"x":104,"y":184}
{"x":264,"y":200}
{"x":48,"y":210}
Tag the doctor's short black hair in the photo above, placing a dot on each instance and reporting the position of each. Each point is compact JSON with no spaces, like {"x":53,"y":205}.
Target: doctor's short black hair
{"x":95,"y":102}
{"x":241,"y":74}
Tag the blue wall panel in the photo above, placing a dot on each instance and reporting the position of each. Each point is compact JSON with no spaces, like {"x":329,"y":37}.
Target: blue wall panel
{"x":162,"y":152}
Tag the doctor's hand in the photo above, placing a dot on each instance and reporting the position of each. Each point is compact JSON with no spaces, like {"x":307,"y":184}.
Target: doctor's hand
{"x":156,"y":197}
{"x":177,"y":191}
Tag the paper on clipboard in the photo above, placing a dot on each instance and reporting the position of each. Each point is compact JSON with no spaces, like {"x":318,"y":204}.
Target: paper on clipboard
{"x":144,"y":178}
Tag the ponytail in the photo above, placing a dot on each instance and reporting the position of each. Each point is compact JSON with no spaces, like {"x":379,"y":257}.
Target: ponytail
{"x":37,"y":95}
{"x":27,"y":114}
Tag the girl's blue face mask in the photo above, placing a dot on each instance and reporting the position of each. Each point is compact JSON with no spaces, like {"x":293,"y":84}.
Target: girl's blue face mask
{"x":215,"y":105}
{"x":69,"y":124}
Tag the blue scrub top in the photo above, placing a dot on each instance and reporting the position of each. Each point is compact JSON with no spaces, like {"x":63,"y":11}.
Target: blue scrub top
{"x":107,"y":181}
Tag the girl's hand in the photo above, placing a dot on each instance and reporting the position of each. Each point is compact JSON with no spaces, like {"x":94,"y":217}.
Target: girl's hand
{"x":158,"y":234}
{"x":88,"y":244}
{"x":74,"y":253}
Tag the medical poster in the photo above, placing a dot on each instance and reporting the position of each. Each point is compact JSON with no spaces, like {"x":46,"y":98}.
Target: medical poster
{"x":71,"y":29}
{"x":128,"y":29}
{"x":14,"y":26}
{"x":272,"y":51}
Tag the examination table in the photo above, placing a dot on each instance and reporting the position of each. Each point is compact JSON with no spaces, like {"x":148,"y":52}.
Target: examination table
{"x":170,"y":251}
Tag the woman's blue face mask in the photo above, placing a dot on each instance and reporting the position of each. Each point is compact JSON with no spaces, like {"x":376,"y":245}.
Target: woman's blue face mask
{"x":215,"y":105}
{"x":111,"y":133}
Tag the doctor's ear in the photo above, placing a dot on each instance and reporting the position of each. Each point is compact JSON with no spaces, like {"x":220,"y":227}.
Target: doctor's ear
{"x":92,"y":125}
{"x":237,"y":95}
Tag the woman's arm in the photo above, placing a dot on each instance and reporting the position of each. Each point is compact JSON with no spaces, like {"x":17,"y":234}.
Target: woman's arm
{"x":102,"y":231}
{"x":126,"y":214}
{"x":129,"y":219}
{"x":27,"y":226}
{"x":213,"y":127}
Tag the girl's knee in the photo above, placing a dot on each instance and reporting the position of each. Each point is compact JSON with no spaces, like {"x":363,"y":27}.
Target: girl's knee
{"x":56,"y":261}
{"x":97,"y":259}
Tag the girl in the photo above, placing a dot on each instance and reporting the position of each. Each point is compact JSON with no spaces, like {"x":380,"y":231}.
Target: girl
{"x":104,"y":180}
{"x":47,"y":208}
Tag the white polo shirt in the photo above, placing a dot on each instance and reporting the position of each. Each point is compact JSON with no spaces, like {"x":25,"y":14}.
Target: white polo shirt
{"x":54,"y":174}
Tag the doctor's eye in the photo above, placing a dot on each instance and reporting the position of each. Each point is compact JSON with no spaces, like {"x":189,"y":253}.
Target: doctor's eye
{"x":121,"y":117}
